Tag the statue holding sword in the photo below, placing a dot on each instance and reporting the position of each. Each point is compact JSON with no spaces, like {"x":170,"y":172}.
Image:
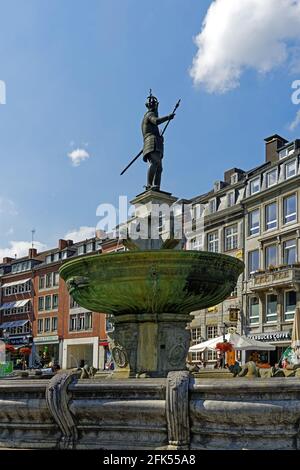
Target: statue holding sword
{"x":153,"y":149}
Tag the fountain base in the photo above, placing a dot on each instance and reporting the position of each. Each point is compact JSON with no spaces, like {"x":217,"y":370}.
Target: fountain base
{"x":149,"y":344}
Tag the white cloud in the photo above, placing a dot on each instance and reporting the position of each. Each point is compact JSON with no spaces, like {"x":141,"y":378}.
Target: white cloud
{"x":7,"y":206}
{"x":245,"y":34}
{"x":83,"y":233}
{"x":295,"y":122}
{"x":77,"y":156}
{"x":20,"y":248}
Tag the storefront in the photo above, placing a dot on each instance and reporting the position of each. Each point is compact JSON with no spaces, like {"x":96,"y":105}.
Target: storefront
{"x":17,"y":335}
{"x":80,"y":351}
{"x":47,"y":351}
{"x":280,"y":339}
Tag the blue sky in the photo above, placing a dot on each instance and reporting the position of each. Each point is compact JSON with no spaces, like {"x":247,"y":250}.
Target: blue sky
{"x":77,"y":75}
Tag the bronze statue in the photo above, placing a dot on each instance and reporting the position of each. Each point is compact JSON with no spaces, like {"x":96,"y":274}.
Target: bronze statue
{"x":153,"y":150}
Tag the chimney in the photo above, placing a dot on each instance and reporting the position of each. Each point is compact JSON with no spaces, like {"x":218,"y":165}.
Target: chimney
{"x":62,"y":244}
{"x":273,"y":143}
{"x":32,"y":253}
{"x":7,"y":260}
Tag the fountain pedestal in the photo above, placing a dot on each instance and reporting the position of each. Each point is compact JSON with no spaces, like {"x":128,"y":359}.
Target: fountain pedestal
{"x":150,"y":344}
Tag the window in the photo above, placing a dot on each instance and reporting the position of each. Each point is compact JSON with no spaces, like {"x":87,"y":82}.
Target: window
{"x":90,"y":247}
{"x":54,"y":324}
{"x":40,"y":325}
{"x":231,"y":238}
{"x":253,"y":261}
{"x":211,"y":332}
{"x":253,"y":310}
{"x":41,"y":304}
{"x":212,"y":206}
{"x":213,"y":242}
{"x":47,"y":324}
{"x":255,"y":186}
{"x":270,"y":256}
{"x":271,"y":178}
{"x":80,"y":321}
{"x":55,"y":279}
{"x":254,"y":225}
{"x":196,"y":335}
{"x":49,"y":280}
{"x":289,"y":252}
{"x":290,"y":305}
{"x":42,"y":282}
{"x":54,"y":301}
{"x":289,"y":209}
{"x":81,"y":249}
{"x":196,"y":243}
{"x":48,"y":302}
{"x":73,"y":321}
{"x":290,"y":169}
{"x":109,"y":323}
{"x":271,"y":308}
{"x":271,"y":216}
{"x":56,"y":257}
{"x":231,"y":199}
{"x":48,"y":259}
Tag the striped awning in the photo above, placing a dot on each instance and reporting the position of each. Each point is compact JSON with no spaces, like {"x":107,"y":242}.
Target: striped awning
{"x":12,"y":324}
{"x":18,"y":303}
{"x":16,"y":283}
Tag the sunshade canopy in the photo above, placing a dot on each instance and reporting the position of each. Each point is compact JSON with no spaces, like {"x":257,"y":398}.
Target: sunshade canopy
{"x":241,"y":343}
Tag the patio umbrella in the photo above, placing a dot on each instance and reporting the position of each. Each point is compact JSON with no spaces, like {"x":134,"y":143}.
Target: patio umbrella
{"x":296,"y":329}
{"x":241,"y":343}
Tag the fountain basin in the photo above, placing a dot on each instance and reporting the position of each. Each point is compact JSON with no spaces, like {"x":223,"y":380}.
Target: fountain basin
{"x":153,"y":281}
{"x":150,"y":295}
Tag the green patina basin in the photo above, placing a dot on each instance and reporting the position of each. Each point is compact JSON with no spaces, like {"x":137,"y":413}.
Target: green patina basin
{"x":153,"y":281}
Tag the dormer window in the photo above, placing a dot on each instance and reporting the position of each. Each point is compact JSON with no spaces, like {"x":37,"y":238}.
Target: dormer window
{"x":234,"y":178}
{"x":286,"y":152}
{"x":255,"y":186}
{"x":231,"y":199}
{"x":290,"y":169}
{"x":271,"y":178}
{"x":212,"y":206}
{"x":81,"y":249}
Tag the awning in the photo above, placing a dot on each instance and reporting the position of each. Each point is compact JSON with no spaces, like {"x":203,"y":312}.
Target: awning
{"x":18,"y":303}
{"x":103,"y":343}
{"x":13,"y":324}
{"x":16,"y":283}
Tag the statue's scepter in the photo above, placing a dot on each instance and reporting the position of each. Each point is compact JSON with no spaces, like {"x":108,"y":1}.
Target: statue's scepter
{"x":164,"y":130}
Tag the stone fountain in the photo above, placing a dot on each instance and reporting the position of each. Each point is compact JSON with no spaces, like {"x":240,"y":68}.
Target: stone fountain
{"x":150,"y":295}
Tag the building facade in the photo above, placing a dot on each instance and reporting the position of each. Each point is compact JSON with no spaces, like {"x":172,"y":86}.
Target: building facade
{"x":36,"y":310}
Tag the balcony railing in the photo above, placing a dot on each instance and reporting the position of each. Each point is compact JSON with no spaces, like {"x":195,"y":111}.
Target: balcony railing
{"x":279,"y":276}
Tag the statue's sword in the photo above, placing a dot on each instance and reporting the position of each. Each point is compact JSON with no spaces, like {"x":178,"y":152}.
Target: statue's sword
{"x":164,"y":130}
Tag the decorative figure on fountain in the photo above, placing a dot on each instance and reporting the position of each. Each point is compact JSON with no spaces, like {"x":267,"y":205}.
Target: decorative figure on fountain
{"x":153,"y":150}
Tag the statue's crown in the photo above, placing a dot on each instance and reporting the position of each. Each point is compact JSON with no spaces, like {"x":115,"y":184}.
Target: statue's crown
{"x":151,"y":101}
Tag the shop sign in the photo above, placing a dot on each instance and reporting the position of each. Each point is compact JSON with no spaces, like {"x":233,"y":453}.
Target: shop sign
{"x":45,"y":339}
{"x":20,"y":340}
{"x":275,"y":336}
